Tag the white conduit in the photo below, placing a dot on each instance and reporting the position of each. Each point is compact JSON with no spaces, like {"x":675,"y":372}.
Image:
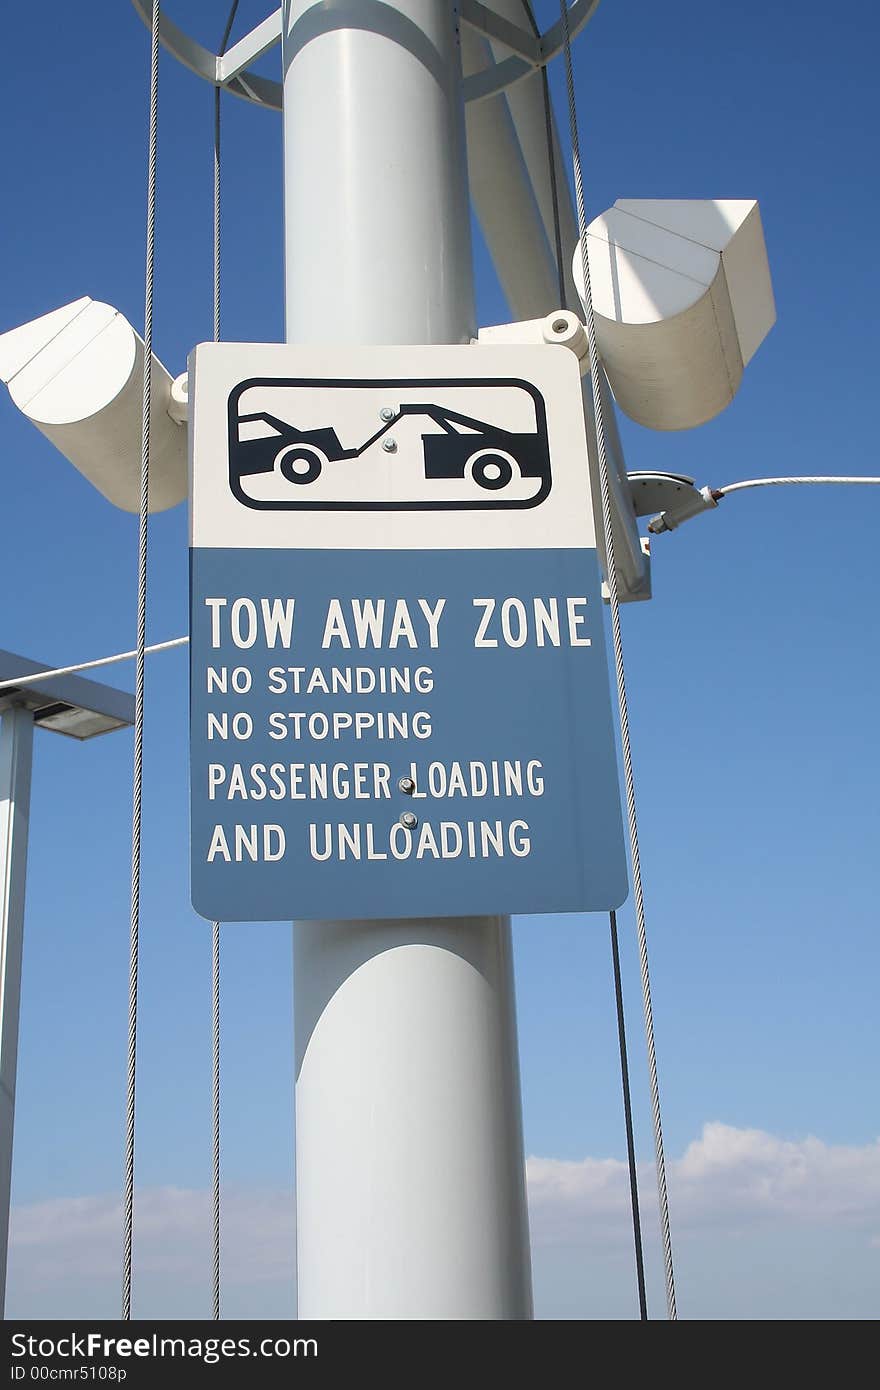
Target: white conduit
{"x":40,"y":676}
{"x":781,"y":482}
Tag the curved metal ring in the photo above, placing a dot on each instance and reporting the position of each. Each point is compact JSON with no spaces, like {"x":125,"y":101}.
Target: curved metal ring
{"x":248,"y":85}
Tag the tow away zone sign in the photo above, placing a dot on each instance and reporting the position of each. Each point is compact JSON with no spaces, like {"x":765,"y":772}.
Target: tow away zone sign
{"x":399,"y":698}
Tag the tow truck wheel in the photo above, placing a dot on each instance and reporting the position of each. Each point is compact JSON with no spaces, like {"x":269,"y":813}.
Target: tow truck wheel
{"x":491,"y":469}
{"x":300,"y":463}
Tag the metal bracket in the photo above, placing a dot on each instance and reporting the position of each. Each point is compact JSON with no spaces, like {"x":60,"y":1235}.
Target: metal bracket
{"x":249,"y":49}
{"x":673,"y":496}
{"x":561,"y":328}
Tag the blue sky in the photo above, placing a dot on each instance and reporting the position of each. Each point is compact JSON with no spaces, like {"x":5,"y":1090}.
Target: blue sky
{"x":753,"y":675}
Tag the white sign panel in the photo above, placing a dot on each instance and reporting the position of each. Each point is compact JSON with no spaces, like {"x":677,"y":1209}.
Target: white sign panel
{"x":399,"y":699}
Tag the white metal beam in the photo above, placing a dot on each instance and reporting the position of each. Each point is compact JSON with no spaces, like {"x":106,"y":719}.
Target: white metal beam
{"x":16,"y":748}
{"x":504,"y":200}
{"x":250,"y":48}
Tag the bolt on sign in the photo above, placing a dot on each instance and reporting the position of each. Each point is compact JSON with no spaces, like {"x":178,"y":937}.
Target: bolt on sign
{"x":399,"y":689}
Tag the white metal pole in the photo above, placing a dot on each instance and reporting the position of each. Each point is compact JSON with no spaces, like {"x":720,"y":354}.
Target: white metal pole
{"x":16,"y":746}
{"x":410,"y":1173}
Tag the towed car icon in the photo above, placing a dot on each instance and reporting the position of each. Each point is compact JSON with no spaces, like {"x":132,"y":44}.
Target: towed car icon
{"x":425,"y":455}
{"x":299,"y":455}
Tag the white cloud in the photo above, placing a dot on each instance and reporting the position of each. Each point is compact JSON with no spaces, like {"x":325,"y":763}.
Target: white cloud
{"x":738,"y":1190}
{"x":71,"y":1237}
{"x":725,"y":1179}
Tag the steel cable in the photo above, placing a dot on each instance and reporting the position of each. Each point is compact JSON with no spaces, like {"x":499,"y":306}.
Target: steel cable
{"x":628,"y":1120}
{"x":215,"y":1115}
{"x":137,"y":780}
{"x":554,"y":192}
{"x":614,"y":603}
{"x":215,"y":926}
{"x":612,"y":916}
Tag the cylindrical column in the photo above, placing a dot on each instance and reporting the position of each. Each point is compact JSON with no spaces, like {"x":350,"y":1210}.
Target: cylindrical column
{"x":16,"y":747}
{"x":410,"y":1180}
{"x":410,"y":1172}
{"x":376,"y":221}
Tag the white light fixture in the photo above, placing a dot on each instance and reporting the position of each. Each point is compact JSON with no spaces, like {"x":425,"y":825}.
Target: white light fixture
{"x":63,"y":704}
{"x":682,"y":299}
{"x":77,"y":373}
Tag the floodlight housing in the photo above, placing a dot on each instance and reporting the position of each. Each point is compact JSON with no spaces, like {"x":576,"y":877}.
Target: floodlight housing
{"x":77,"y":373}
{"x":67,"y":705}
{"x":682,"y":299}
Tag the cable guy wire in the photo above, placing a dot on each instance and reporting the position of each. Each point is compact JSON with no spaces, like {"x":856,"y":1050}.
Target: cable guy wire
{"x":139,"y":675}
{"x":628,"y":1120}
{"x":615,"y":954}
{"x":611,"y":575}
{"x":215,"y":926}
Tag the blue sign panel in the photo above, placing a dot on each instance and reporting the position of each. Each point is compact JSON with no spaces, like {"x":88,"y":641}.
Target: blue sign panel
{"x":401,"y":733}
